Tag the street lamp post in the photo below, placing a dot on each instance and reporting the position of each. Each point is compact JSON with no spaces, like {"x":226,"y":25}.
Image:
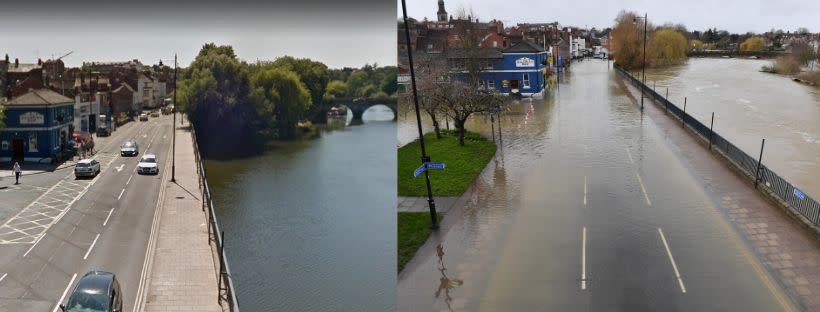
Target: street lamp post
{"x":424,"y":158}
{"x":173,"y":123}
{"x":643,"y":70}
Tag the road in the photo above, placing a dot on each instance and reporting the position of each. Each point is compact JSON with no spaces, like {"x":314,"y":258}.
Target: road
{"x":72,"y":226}
{"x":587,"y":208}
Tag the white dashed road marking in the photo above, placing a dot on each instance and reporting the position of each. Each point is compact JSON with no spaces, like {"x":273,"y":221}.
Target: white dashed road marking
{"x":674,"y":266}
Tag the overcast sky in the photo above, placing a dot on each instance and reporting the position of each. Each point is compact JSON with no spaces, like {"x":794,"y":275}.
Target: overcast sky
{"x":338,"y":33}
{"x":732,"y":15}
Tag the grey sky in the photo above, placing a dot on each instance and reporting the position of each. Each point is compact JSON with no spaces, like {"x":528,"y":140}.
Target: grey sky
{"x":732,"y":15}
{"x":338,"y":33}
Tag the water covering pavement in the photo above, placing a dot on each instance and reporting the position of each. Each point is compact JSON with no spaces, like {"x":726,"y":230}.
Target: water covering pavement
{"x":585,"y":207}
{"x":310,"y":225}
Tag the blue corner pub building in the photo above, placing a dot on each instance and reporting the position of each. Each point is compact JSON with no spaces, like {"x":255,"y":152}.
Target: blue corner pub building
{"x":520,"y":68}
{"x":38,"y":126}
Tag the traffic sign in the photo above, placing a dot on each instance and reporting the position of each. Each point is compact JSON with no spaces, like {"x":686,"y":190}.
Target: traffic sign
{"x":799,"y":194}
{"x":428,"y":166}
{"x":419,"y":170}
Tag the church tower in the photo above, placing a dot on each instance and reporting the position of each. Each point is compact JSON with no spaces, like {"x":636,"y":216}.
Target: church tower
{"x":442,"y":14}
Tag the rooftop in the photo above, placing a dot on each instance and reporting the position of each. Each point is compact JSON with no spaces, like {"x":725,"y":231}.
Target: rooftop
{"x":40,"y":97}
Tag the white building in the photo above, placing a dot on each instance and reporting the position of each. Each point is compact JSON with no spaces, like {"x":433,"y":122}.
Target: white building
{"x":86,"y":113}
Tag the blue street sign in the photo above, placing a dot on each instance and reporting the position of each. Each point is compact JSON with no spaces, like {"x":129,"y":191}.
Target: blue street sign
{"x":799,"y":194}
{"x":429,"y":166}
{"x":436,"y":166}
{"x":419,"y":171}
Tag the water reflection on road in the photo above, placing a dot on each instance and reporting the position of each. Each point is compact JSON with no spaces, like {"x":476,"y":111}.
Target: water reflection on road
{"x":306,"y":223}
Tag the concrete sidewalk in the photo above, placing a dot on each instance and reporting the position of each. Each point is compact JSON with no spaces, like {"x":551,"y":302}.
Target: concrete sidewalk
{"x":182,"y":274}
{"x":419,"y":204}
{"x":784,"y":246}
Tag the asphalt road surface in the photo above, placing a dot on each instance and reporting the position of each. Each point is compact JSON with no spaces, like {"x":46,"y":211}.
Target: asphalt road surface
{"x":65,"y":227}
{"x":587,"y":208}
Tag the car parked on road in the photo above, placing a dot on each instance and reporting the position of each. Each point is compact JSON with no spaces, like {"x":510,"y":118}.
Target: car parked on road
{"x":97,"y":291}
{"x":129,"y":148}
{"x":87,"y":168}
{"x":148,"y":165}
{"x":155,"y":114}
{"x":143,"y":117}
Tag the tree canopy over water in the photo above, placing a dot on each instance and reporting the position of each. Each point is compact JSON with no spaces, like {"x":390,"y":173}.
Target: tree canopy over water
{"x":235,"y":105}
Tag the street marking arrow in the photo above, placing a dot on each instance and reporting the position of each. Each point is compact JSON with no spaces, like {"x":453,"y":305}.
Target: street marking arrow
{"x":119,"y":168}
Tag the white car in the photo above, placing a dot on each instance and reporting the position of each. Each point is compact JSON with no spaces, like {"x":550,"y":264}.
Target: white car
{"x":148,"y":164}
{"x":86,"y":168}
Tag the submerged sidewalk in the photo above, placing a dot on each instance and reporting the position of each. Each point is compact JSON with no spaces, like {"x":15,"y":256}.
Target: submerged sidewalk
{"x":784,"y":246}
{"x":182,"y":276}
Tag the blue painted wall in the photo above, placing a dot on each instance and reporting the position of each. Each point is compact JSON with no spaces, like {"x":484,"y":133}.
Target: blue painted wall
{"x":56,"y":119}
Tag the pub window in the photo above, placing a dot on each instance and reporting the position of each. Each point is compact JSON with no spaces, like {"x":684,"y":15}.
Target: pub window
{"x":526,"y":80}
{"x":491,"y":84}
{"x":32,"y":142}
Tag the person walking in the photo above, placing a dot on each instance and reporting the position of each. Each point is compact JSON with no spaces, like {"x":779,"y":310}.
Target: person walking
{"x":17,"y":172}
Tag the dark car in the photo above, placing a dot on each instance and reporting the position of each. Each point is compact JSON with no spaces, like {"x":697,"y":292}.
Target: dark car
{"x":97,"y":291}
{"x":103,"y":131}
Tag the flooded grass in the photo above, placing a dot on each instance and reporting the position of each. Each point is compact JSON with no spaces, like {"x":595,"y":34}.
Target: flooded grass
{"x":413,"y":230}
{"x":463,"y":164}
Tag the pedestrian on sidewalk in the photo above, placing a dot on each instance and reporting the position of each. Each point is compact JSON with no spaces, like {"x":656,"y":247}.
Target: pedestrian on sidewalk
{"x":17,"y":172}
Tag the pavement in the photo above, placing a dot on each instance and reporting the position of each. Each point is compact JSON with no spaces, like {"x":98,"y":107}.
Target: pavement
{"x":419,"y":204}
{"x":183,"y":269}
{"x":786,"y":248}
{"x":55,"y":228}
{"x":588,"y":206}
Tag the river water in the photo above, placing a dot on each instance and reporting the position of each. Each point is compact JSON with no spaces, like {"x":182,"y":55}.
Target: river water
{"x":307,"y":223}
{"x":750,"y":105}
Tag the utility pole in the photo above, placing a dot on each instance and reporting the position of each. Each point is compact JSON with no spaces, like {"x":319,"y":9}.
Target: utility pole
{"x":424,"y":158}
{"x":174,"y":125}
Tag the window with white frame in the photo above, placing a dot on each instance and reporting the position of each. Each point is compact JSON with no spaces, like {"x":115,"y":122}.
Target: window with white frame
{"x":526,"y":80}
{"x":491,"y":84}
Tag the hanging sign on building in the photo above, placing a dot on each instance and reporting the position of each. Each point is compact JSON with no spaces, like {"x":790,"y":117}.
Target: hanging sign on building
{"x":524,"y":62}
{"x":32,"y":118}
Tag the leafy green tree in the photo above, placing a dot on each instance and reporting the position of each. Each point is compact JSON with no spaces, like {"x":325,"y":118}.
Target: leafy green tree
{"x":753,"y":44}
{"x":279,"y":95}
{"x":389,"y":84}
{"x":313,"y":74}
{"x":336,"y":89}
{"x":367,"y":91}
{"x":213,"y":91}
{"x":356,"y":81}
{"x":667,"y":47}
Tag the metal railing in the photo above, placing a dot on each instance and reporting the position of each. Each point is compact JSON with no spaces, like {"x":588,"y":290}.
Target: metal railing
{"x":762,"y":175}
{"x":215,"y":235}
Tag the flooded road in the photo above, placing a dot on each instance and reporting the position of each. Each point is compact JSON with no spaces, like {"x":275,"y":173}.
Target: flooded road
{"x":750,"y":105}
{"x":584,"y":207}
{"x":306,"y":224}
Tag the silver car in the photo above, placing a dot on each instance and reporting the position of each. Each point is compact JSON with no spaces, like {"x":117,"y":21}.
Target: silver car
{"x":87,"y":168}
{"x":130,"y":148}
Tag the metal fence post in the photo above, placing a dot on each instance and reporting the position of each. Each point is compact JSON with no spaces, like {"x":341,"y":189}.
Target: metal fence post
{"x":757,"y":173}
{"x":711,"y":131}
{"x":221,"y":265}
{"x":667,"y":92}
{"x":683,"y":117}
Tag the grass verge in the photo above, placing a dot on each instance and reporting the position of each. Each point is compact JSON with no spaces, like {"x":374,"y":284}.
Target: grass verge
{"x":413,"y":230}
{"x":463,"y":163}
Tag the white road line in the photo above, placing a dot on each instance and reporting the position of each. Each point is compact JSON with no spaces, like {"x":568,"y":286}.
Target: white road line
{"x":585,"y":190}
{"x":674,"y":266}
{"x":630,"y":156}
{"x":109,"y":216}
{"x":2,"y":277}
{"x":91,"y":247}
{"x":648,"y":202}
{"x":123,"y":191}
{"x":129,"y":179}
{"x":57,"y":307}
{"x":584,"y":259}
